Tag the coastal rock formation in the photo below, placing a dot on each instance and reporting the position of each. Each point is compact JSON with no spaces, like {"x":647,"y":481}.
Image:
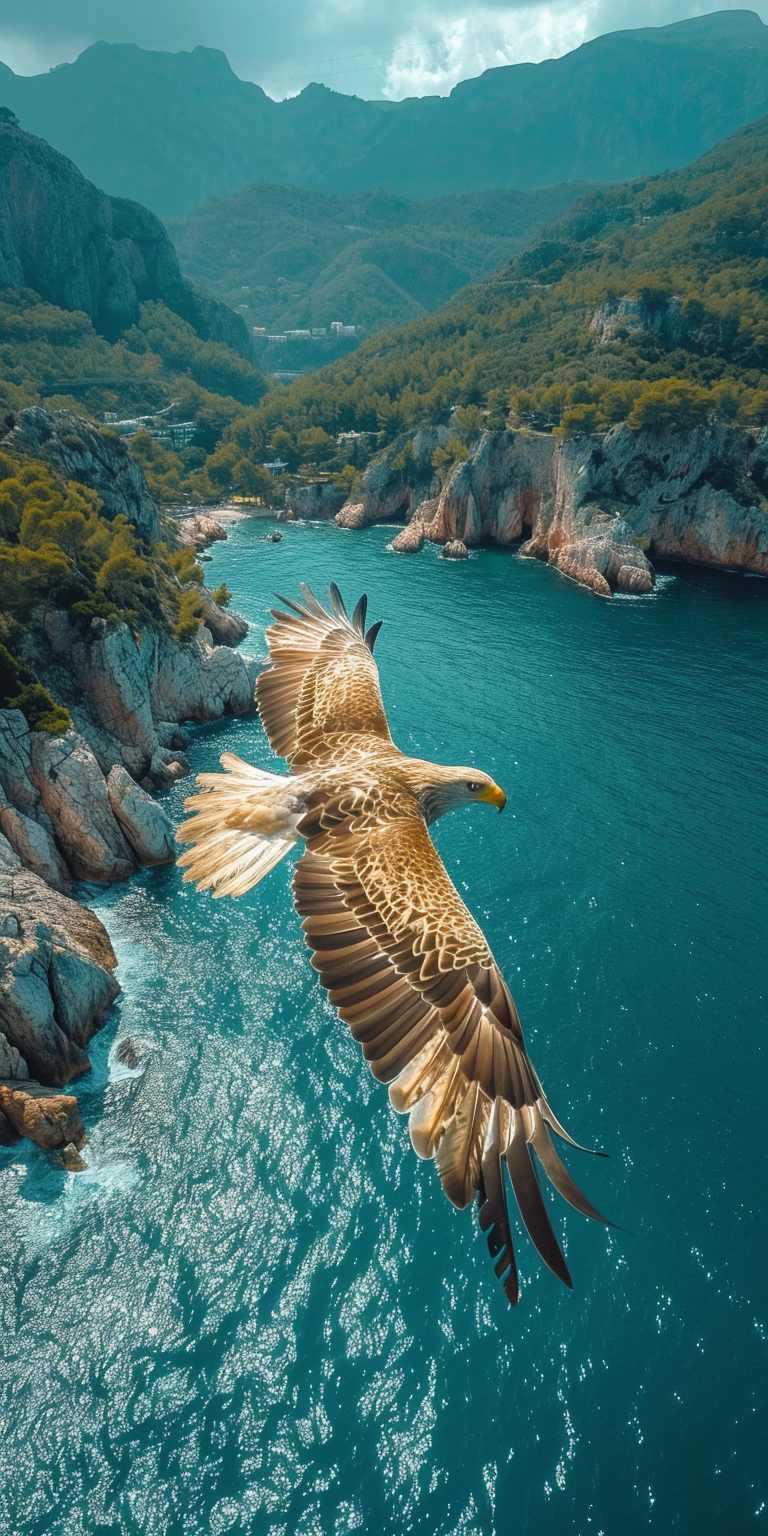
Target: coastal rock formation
{"x":50,"y":1120}
{"x":353,"y":515}
{"x":396,"y":483}
{"x":124,"y":694}
{"x":600,"y":554}
{"x":35,"y":847}
{"x":321,"y":499}
{"x":197,"y":681}
{"x":410,"y":539}
{"x":75,"y":806}
{"x":73,"y":792}
{"x":199,"y":530}
{"x":56,"y":981}
{"x":144,"y":823}
{"x":599,"y":508}
{"x":225,"y":627}
{"x":455,"y":549}
{"x":95,"y":457}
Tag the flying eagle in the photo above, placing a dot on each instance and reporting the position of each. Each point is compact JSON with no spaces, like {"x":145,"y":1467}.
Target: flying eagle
{"x":402,"y":958}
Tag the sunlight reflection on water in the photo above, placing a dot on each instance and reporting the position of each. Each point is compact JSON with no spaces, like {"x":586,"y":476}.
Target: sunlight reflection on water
{"x":255,"y":1311}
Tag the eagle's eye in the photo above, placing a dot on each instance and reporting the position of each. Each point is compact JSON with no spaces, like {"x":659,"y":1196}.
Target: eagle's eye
{"x":473,"y":786}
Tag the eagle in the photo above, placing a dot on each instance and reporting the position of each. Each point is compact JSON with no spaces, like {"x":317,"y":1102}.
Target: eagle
{"x":400,"y":955}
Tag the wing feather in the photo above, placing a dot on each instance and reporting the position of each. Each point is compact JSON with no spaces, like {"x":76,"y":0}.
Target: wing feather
{"x":322,"y":680}
{"x":411,"y":974}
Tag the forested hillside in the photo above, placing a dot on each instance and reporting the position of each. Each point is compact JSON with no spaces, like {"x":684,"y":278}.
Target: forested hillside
{"x":655,"y":280}
{"x":294,"y":258}
{"x":93,"y":306}
{"x":173,"y":129}
{"x":646,"y":301}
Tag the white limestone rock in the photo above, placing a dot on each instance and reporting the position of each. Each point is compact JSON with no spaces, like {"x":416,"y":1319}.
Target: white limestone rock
{"x":35,"y":847}
{"x":74,"y":794}
{"x":147,"y":828}
{"x":56,"y":981}
{"x":225,"y":627}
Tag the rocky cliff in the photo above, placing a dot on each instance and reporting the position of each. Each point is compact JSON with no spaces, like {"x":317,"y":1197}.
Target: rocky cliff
{"x":83,"y":250}
{"x":599,"y":508}
{"x":79,"y":806}
{"x":94,"y":457}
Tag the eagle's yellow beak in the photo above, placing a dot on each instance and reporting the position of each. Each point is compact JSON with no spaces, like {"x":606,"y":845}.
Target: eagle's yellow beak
{"x":492,"y":795}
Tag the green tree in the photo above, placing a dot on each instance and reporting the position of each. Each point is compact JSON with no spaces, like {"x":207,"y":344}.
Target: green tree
{"x":583,"y":417}
{"x":670,"y":405}
{"x":315,"y":445}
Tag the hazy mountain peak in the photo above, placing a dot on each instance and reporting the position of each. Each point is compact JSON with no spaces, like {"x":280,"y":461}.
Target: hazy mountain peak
{"x":173,"y":129}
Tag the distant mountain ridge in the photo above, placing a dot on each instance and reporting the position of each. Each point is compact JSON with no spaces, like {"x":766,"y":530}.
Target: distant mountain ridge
{"x":170,"y":130}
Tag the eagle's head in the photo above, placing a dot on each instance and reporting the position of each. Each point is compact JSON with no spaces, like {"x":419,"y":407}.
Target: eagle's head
{"x":444,"y":789}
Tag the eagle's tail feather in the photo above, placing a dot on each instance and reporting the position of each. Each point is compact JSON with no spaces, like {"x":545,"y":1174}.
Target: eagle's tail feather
{"x":242,"y":825}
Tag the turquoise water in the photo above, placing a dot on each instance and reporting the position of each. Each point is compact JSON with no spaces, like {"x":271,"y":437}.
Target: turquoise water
{"x":257,"y":1312}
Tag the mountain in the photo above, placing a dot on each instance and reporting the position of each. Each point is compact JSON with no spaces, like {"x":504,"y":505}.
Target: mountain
{"x":293,"y":258}
{"x":171,"y":130}
{"x":657,"y":282}
{"x":82,"y":250}
{"x":92,"y":297}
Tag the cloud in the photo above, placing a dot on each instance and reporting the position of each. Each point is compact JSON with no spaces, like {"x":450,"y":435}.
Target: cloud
{"x":371,"y":48}
{"x":470,"y":44}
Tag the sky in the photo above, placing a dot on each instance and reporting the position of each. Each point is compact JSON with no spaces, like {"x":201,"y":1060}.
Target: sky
{"x":369,"y":48}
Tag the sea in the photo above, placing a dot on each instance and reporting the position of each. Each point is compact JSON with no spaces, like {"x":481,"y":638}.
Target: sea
{"x":255,"y":1312}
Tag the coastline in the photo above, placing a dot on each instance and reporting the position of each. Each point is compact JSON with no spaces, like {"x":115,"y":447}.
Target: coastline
{"x":79,"y":806}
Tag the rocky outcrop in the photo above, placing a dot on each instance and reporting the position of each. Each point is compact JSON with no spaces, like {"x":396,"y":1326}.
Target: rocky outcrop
{"x":94,"y":457}
{"x":56,"y":981}
{"x":226,"y":628}
{"x":410,"y":539}
{"x":199,"y":530}
{"x":71,"y":808}
{"x":76,"y":807}
{"x":50,"y":1120}
{"x":455,"y":549}
{"x":198,"y":681}
{"x":35,"y":847}
{"x":599,"y":508}
{"x":397,"y":482}
{"x":126,"y":695}
{"x":83,"y":250}
{"x":73,"y":792}
{"x":143,"y":822}
{"x":321,"y":499}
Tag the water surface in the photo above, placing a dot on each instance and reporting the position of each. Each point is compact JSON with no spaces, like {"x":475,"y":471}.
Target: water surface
{"x":257,"y":1312}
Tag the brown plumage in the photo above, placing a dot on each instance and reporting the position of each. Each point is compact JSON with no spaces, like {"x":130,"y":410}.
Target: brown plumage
{"x":402,"y":958}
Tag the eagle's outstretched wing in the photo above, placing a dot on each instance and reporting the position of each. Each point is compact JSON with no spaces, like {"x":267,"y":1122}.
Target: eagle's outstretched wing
{"x":323,"y":680}
{"x":410,"y":971}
